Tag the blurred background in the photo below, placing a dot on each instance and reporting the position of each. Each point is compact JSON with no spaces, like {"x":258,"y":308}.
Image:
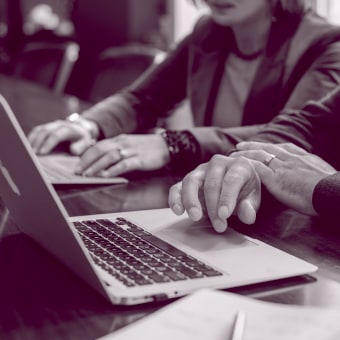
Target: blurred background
{"x":86,"y":35}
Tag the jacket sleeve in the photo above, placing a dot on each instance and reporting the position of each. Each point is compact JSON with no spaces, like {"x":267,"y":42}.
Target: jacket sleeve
{"x":315,"y":128}
{"x":151,"y":97}
{"x":322,"y":77}
{"x":326,"y":197}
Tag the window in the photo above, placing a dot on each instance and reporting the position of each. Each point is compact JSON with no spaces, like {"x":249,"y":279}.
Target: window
{"x":330,"y":9}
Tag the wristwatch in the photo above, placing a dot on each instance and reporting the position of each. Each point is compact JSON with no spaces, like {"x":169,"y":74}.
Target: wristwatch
{"x":88,"y":125}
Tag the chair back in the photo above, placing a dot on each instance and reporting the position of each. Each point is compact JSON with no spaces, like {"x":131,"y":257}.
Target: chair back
{"x":49,"y":64}
{"x":118,"y":66}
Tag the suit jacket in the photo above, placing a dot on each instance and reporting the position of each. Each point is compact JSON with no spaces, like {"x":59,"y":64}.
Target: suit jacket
{"x":193,"y":69}
{"x":316,"y":127}
{"x":326,"y":197}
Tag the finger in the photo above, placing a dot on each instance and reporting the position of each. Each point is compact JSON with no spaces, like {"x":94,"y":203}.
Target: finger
{"x":212,"y":191}
{"x":282,"y":151}
{"x":37,"y":138}
{"x":80,"y":146}
{"x":96,"y":159}
{"x":175,"y":199}
{"x":267,"y":176}
{"x":271,"y":162}
{"x":192,"y":185}
{"x":40,"y":133}
{"x":247,"y":208}
{"x":238,"y":175}
{"x":292,"y":148}
{"x":123,"y":166}
{"x":52,"y":138}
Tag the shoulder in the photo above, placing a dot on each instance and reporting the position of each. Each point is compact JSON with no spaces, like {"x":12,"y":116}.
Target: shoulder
{"x":316,"y":41}
{"x":314,"y":30}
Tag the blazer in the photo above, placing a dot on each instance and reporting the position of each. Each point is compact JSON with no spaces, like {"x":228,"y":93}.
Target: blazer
{"x":326,"y":197}
{"x":316,"y":127}
{"x":193,"y":70}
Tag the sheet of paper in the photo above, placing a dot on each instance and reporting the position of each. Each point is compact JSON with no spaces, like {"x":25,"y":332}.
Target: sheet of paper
{"x":209,"y":314}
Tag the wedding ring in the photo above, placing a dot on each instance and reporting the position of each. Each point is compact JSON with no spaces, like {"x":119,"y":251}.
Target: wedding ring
{"x":122,"y":153}
{"x":269,"y":159}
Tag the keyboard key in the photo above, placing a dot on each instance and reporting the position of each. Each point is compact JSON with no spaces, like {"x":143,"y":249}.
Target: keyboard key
{"x":135,"y":257}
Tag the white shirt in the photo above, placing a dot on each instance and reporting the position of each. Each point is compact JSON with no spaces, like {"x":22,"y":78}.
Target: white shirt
{"x":236,"y":82}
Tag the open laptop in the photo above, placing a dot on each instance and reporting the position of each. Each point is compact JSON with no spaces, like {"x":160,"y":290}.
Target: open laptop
{"x":130,"y":257}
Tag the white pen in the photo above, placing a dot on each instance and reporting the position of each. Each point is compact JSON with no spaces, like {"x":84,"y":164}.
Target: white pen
{"x":239,"y":326}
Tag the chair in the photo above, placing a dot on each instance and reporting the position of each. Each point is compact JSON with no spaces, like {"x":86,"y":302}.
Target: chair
{"x":49,"y":64}
{"x":117,"y":67}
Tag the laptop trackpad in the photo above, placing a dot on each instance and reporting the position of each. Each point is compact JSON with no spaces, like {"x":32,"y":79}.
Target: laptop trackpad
{"x":201,"y":236}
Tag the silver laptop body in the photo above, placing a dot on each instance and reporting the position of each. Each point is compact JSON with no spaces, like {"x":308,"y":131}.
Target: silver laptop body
{"x":228,"y":260}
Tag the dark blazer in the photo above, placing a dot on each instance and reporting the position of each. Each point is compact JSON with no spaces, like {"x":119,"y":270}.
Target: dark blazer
{"x":317,"y":129}
{"x":193,"y":70}
{"x":326,"y":197}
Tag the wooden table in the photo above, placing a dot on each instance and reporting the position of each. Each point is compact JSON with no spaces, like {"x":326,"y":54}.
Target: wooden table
{"x":41,"y":299}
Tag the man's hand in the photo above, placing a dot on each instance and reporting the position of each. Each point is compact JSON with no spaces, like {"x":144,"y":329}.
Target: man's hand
{"x":219,"y":188}
{"x":290,"y":173}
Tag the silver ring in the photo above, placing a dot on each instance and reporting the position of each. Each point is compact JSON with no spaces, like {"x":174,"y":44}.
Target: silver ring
{"x":269,"y":159}
{"x":122,"y":153}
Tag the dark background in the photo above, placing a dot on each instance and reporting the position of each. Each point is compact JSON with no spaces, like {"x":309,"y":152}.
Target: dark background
{"x":95,"y":25}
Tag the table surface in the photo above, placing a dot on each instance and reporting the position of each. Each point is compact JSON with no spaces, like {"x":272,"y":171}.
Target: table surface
{"x":41,"y":299}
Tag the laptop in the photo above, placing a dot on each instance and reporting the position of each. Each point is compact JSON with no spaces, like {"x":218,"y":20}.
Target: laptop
{"x":130,"y":257}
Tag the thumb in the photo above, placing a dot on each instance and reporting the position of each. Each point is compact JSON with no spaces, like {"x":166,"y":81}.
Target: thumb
{"x":79,"y":147}
{"x":247,"y":208}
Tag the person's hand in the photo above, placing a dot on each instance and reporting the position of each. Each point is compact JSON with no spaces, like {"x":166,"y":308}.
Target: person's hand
{"x":124,"y":153}
{"x":288,"y":172}
{"x":219,"y":188}
{"x":44,"y":138}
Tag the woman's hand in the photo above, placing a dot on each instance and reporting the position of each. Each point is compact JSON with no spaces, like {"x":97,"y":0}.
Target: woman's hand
{"x":288,"y":172}
{"x":219,"y":188}
{"x":124,"y":153}
{"x":80,"y":133}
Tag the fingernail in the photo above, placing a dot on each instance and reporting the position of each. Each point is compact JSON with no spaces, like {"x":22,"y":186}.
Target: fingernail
{"x":103,"y":173}
{"x":177,"y":209}
{"x":88,"y":172}
{"x":194,"y":213}
{"x":220,"y":226}
{"x":43,"y":150}
{"x":223,"y":212}
{"x":78,"y":170}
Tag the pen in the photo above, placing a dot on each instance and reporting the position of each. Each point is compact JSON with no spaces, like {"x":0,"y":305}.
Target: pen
{"x":239,"y":325}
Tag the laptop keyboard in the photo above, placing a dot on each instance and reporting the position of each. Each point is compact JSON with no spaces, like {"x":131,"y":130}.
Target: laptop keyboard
{"x":135,"y":257}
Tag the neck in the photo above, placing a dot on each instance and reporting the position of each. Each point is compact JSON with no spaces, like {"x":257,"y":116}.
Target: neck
{"x":251,"y":37}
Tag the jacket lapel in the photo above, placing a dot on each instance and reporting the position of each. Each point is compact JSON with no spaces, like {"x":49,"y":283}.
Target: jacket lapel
{"x":206,"y":62}
{"x":264,"y":96}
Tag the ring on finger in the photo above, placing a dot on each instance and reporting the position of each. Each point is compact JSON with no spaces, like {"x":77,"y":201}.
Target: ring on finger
{"x":122,"y":153}
{"x":268,"y":160}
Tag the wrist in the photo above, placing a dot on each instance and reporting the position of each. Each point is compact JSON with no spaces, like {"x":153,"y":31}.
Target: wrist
{"x":183,"y":150}
{"x":90,"y":126}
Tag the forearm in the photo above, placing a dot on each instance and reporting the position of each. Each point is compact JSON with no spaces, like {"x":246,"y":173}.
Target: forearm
{"x":113,"y":115}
